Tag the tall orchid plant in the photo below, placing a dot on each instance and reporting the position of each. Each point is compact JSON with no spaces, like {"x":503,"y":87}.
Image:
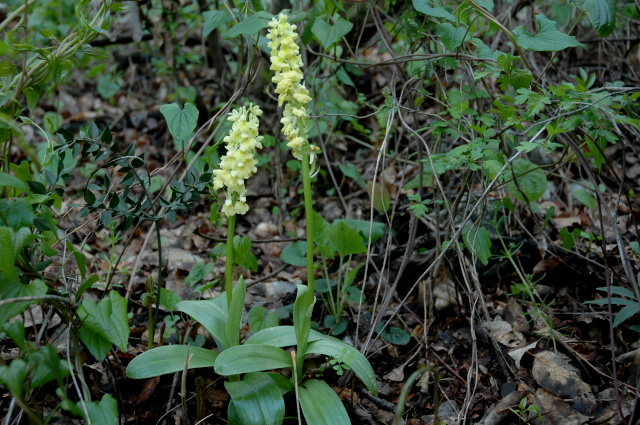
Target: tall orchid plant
{"x":257,"y":396}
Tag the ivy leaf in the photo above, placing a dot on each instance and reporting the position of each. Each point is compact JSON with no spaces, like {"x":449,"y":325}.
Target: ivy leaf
{"x":423,"y":6}
{"x":548,"y":39}
{"x":250,"y":25}
{"x":451,"y":36}
{"x":602,"y":14}
{"x":260,"y":318}
{"x":329,"y":34}
{"x":213,"y":19}
{"x":532,"y":181}
{"x":181,"y":122}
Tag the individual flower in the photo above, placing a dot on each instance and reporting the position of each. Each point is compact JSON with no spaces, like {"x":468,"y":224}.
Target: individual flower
{"x":239,"y":163}
{"x":289,"y":80}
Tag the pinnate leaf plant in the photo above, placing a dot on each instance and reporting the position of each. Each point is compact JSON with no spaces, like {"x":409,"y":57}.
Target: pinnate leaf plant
{"x":256,"y":392}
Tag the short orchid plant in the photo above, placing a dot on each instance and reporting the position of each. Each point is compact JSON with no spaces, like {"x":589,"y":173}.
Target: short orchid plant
{"x":257,"y":394}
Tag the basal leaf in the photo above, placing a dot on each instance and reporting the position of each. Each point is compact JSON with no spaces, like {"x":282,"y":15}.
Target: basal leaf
{"x":256,"y":400}
{"x":602,"y":14}
{"x":212,"y":314}
{"x":353,"y":358}
{"x":329,"y":34}
{"x":531,"y":181}
{"x":260,"y":318}
{"x":346,"y":240}
{"x":548,"y":38}
{"x":280,"y":336}
{"x":181,"y":122}
{"x":295,"y":254}
{"x":169,"y":359}
{"x":251,"y":358}
{"x":363,"y":227}
{"x":435,"y":11}
{"x":330,"y":411}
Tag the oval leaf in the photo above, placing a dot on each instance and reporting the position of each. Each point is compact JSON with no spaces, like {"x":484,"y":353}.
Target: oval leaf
{"x":256,"y":400}
{"x":169,"y":359}
{"x":532,"y":181}
{"x":328,"y":412}
{"x":251,"y":358}
{"x":548,"y":39}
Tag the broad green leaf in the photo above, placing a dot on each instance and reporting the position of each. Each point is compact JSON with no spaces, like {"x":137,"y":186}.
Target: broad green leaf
{"x":104,"y":412}
{"x":302,"y":310}
{"x":47,"y":366}
{"x":436,"y":11}
{"x":329,"y":34}
{"x":213,"y":19}
{"x":486,"y":4}
{"x":260,"y":318}
{"x":363,"y":227}
{"x":330,"y":411}
{"x":394,"y":335}
{"x":586,"y":197}
{"x":234,"y":321}
{"x":16,"y":213}
{"x":532,"y":181}
{"x":251,"y":358}
{"x":602,"y":14}
{"x":242,"y":254}
{"x":335,"y":328}
{"x":548,"y":38}
{"x":250,"y":25}
{"x":169,"y":359}
{"x":14,"y":376}
{"x":107,"y":319}
{"x":322,"y":237}
{"x":256,"y":400}
{"x":346,"y":240}
{"x":353,"y":358}
{"x":318,"y":9}
{"x":350,"y":170}
{"x":212,"y":314}
{"x":181,"y":122}
{"x":13,"y":181}
{"x":280,"y":336}
{"x":478,"y":240}
{"x":169,"y":299}
{"x":451,"y":36}
{"x":14,"y":289}
{"x":295,"y":254}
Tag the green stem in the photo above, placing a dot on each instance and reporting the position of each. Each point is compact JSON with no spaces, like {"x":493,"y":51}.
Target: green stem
{"x":228,"y":273}
{"x":308,"y":210}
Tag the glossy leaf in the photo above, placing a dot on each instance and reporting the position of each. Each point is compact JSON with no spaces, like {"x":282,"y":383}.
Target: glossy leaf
{"x":257,"y":400}
{"x":251,"y":358}
{"x":280,"y":336}
{"x":330,"y":411}
{"x":602,"y":14}
{"x":212,"y":314}
{"x":548,"y":38}
{"x":169,"y":359}
{"x":234,"y":320}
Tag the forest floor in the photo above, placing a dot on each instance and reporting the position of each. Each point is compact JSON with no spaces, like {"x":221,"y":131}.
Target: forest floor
{"x":475,"y":351}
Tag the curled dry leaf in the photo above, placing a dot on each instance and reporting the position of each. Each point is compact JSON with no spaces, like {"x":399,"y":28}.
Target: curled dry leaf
{"x":518,"y":353}
{"x":556,"y":375}
{"x":504,"y":333}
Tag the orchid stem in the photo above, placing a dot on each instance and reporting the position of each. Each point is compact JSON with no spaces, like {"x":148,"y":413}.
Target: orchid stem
{"x":228,"y":273}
